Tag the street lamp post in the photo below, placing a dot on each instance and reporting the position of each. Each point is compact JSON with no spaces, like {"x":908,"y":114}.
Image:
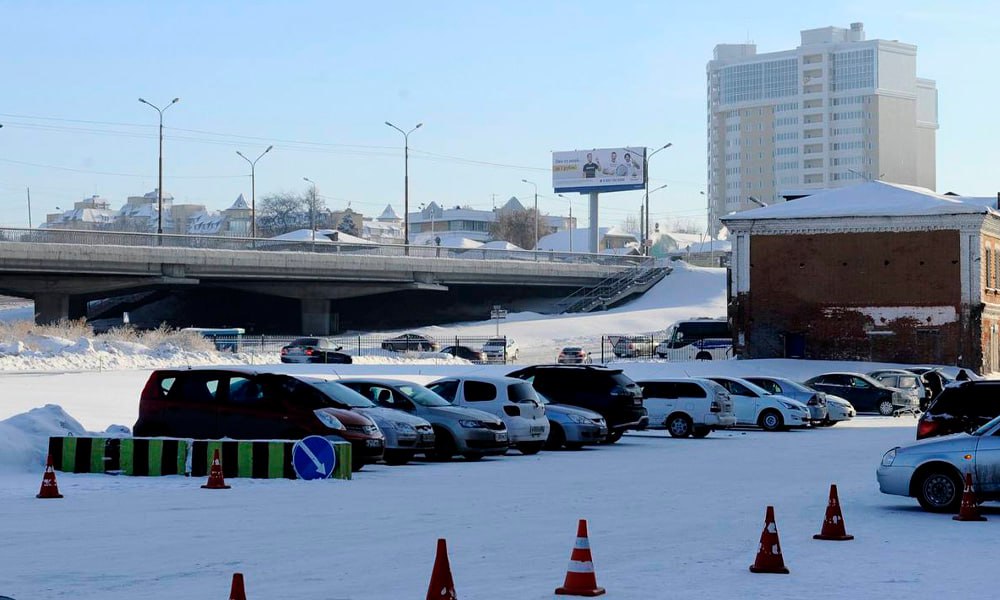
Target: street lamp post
{"x":312,"y":209}
{"x":253,"y":190}
{"x":406,"y":181}
{"x":571,"y":228}
{"x":533,"y":184}
{"x":159,"y":188}
{"x":645,"y":172}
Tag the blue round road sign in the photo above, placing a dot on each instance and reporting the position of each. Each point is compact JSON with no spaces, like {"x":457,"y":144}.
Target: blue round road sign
{"x":313,"y":458}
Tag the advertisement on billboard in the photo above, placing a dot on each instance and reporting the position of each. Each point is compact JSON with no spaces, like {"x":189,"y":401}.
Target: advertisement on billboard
{"x":599,"y":170}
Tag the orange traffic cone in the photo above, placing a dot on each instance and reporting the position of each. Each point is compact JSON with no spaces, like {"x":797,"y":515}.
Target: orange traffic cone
{"x":236,"y":592}
{"x":441,"y":585}
{"x":50,"y":489}
{"x":580,"y":577}
{"x":833,"y":525}
{"x":769,"y":558}
{"x":215,"y":479}
{"x":970,"y":504}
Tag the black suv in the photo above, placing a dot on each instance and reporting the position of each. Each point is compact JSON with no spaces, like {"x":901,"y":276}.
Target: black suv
{"x":600,"y":389}
{"x":961,"y":406}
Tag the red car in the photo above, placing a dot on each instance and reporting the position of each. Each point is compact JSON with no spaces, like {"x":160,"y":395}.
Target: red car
{"x":243,"y":403}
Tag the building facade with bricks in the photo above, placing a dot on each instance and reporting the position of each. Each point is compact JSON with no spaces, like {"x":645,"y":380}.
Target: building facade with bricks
{"x":875,"y":272}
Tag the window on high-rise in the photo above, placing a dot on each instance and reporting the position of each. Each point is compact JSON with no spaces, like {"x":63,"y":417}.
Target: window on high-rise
{"x":853,"y":69}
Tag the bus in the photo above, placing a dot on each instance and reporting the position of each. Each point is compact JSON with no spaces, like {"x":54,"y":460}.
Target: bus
{"x":697,"y":339}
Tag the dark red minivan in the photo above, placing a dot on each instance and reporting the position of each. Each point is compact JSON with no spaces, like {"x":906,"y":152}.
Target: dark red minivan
{"x":244,"y":403}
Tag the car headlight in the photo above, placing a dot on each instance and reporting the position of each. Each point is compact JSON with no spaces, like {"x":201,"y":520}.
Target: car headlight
{"x":888,"y":457}
{"x":789,"y":405}
{"x":580,"y":419}
{"x":470,"y":424}
{"x":404,"y":427}
{"x":329,"y":420}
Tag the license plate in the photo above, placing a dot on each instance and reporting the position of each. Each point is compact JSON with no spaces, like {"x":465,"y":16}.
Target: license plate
{"x":501,"y":437}
{"x":537,"y":430}
{"x":373,"y":443}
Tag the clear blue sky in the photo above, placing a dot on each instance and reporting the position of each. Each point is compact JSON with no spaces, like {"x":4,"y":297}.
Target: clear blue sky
{"x":497,"y":85}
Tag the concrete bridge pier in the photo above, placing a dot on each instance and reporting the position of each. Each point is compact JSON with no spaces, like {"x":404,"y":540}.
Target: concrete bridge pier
{"x":53,"y":307}
{"x":316,"y":316}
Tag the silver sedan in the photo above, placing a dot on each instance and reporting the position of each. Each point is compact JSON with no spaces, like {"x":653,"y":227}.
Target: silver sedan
{"x":933,"y":470}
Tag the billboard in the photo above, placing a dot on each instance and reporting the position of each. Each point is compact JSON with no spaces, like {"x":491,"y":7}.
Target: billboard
{"x":599,"y":170}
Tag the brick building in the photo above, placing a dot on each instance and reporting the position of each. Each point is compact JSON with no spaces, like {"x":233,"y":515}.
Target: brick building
{"x":874,"y":271}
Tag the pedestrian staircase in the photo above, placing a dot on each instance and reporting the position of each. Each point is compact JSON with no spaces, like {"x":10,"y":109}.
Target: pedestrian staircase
{"x":615,"y":289}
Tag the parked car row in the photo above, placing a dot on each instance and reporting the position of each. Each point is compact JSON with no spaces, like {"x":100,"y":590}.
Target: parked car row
{"x":325,"y":350}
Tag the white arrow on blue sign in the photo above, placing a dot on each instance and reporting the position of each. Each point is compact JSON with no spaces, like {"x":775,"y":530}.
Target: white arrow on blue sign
{"x":314,"y":458}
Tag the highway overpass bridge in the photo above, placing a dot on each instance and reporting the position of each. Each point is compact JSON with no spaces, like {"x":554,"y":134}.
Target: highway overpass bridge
{"x":64,"y":270}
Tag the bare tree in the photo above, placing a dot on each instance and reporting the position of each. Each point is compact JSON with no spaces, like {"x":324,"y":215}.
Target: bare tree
{"x":631,"y":224}
{"x":313,"y":204}
{"x":518,"y":227}
{"x":280,"y":213}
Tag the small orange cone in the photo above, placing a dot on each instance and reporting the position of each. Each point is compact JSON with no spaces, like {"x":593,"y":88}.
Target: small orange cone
{"x":580,"y":577}
{"x":441,"y":585}
{"x":769,"y":558}
{"x":50,"y":489}
{"x":833,"y":525}
{"x":970,"y":504}
{"x":215,"y":479}
{"x":237,"y":592}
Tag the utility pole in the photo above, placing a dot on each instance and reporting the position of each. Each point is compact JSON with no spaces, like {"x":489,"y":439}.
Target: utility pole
{"x":533,"y":184}
{"x":29,"y":206}
{"x":645,"y":176}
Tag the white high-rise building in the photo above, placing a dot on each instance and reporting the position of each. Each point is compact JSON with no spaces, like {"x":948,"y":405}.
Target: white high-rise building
{"x":834,"y":111}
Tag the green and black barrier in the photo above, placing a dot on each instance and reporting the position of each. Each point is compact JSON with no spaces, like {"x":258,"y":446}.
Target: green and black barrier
{"x":167,"y":456}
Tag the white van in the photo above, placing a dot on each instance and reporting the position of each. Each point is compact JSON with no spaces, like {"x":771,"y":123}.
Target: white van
{"x":687,"y":406}
{"x":511,"y":399}
{"x":697,"y":339}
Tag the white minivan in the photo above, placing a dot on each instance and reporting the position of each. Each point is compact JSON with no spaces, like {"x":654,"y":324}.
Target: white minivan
{"x":511,"y":399}
{"x":687,"y":406}
{"x":755,"y":407}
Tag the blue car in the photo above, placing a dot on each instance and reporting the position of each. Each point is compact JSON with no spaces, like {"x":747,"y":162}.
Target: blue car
{"x":572,"y":427}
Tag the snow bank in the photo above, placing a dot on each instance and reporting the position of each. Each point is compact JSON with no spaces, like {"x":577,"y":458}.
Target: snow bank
{"x":24,"y":438}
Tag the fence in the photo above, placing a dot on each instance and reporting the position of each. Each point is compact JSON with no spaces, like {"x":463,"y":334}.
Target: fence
{"x":648,"y":347}
{"x":321,"y":244}
{"x":476,"y":349}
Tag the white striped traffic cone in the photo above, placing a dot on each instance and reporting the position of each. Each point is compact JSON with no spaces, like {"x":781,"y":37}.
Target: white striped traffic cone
{"x":580,"y":577}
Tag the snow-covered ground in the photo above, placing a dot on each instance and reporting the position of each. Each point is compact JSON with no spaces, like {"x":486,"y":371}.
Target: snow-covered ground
{"x":668,"y":518}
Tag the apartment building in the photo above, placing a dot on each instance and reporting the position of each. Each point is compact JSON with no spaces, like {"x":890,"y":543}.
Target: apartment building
{"x":838,"y":109}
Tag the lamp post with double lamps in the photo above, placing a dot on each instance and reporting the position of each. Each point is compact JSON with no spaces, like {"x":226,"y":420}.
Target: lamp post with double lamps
{"x":159,"y":187}
{"x":253,"y":190}
{"x":645,"y":172}
{"x":406,"y":182}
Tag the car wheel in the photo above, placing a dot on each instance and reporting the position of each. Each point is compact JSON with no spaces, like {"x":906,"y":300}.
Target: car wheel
{"x":529,"y":448}
{"x":556,"y":437}
{"x":771,"y":420}
{"x":679,"y":426}
{"x":574,"y":446}
{"x":885,"y":408}
{"x":703,"y":356}
{"x":700,"y":432}
{"x":444,"y":446}
{"x":397,"y":457}
{"x":940,"y":490}
{"x":614,"y":436}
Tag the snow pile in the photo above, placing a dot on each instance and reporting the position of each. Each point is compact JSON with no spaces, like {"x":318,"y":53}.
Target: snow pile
{"x":37,"y":352}
{"x":24,"y":438}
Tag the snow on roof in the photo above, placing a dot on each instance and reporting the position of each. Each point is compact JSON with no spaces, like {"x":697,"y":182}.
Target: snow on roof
{"x":501,"y":245}
{"x":560,"y":240}
{"x":323,"y":236}
{"x":447,"y":240}
{"x":388,"y":214}
{"x":869,"y":199}
{"x":240,"y":204}
{"x":708,"y":246}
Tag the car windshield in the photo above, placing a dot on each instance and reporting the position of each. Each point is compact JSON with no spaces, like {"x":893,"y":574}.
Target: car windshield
{"x":422,"y":395}
{"x":499,"y":343}
{"x":796,"y":386}
{"x":341,"y":394}
{"x":305,"y":342}
{"x":982,"y":430}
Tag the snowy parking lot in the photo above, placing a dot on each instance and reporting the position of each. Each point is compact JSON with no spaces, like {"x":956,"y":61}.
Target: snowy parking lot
{"x":668,"y":518}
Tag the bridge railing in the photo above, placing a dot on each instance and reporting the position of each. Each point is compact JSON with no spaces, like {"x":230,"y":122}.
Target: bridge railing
{"x":321,"y":245}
